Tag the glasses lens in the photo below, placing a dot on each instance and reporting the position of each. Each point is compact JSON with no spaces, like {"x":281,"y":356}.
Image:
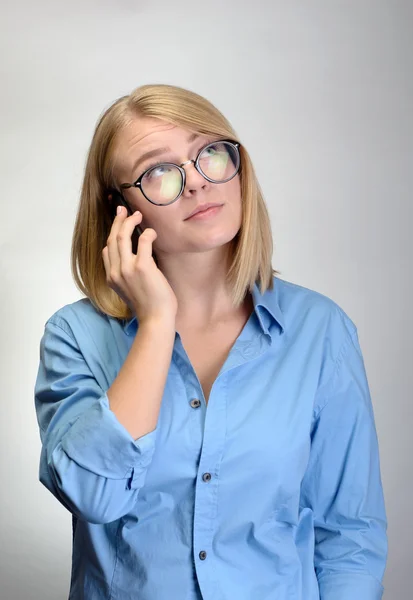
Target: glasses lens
{"x":162,"y":184}
{"x":219,"y":161}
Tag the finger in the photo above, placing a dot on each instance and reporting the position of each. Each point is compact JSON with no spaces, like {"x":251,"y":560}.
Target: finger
{"x":110,"y":282}
{"x":105,"y":258}
{"x":145,"y":245}
{"x":112,"y":243}
{"x":124,"y":236}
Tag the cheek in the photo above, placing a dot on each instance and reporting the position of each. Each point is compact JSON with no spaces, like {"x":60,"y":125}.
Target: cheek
{"x":151,"y":215}
{"x":159,"y":219}
{"x":233,"y":197}
{"x":234,"y":191}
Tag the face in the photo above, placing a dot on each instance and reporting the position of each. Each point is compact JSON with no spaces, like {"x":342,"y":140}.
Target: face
{"x":170,"y":143}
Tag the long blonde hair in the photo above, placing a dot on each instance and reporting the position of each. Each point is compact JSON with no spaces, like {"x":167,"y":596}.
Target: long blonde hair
{"x":252,"y":246}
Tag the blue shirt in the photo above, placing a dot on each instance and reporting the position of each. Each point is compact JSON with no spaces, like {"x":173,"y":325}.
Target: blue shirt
{"x":271,"y":491}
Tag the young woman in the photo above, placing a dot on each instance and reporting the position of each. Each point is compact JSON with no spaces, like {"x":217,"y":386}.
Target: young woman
{"x":208,"y":424}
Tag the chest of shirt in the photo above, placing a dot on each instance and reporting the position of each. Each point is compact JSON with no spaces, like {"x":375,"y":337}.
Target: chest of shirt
{"x":253,"y":436}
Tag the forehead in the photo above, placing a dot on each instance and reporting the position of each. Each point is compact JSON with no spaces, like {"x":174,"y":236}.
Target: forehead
{"x":147,"y":133}
{"x":146,"y":129}
{"x":142,"y":135}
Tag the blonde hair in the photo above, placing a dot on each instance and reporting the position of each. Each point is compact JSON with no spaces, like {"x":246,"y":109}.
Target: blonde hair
{"x":252,"y":246}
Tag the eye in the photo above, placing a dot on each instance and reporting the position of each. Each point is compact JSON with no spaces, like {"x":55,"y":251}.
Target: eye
{"x":158,"y":170}
{"x":213,"y":149}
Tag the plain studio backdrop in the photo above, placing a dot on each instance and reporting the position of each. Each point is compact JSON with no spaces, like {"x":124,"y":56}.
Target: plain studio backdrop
{"x":320,"y":93}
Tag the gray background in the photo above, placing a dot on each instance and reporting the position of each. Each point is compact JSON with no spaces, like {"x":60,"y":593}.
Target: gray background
{"x":320,"y":93}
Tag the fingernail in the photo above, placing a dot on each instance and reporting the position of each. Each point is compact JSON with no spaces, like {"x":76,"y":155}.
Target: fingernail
{"x":119,"y":210}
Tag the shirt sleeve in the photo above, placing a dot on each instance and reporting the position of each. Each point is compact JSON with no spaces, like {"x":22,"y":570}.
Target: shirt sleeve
{"x":89,"y":461}
{"x":343,"y":487}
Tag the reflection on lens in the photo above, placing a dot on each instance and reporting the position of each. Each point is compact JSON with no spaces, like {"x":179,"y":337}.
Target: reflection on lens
{"x":170,"y":184}
{"x":162,"y":184}
{"x":219,"y":161}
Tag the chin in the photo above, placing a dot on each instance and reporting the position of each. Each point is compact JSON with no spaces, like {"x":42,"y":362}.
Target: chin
{"x":211,"y":240}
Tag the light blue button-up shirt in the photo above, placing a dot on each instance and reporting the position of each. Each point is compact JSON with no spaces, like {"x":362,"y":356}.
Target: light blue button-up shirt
{"x":271,"y":491}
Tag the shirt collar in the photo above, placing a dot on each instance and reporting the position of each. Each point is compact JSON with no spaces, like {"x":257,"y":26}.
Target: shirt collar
{"x":268,"y":300}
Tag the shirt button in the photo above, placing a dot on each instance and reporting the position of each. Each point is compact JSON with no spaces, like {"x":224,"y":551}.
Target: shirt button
{"x":195,"y":403}
{"x":206,"y":476}
{"x":202,"y":555}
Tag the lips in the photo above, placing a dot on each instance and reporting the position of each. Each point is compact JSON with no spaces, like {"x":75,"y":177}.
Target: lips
{"x":202,"y":208}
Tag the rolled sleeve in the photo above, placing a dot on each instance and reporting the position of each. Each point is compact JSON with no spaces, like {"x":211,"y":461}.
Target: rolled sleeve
{"x":98,"y":442}
{"x":350,"y":586}
{"x":89,"y":460}
{"x":343,"y":487}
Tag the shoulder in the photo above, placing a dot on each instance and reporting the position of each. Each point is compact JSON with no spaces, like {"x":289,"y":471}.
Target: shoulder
{"x":79,"y":318}
{"x":318,"y":329}
{"x":306,"y":309}
{"x":80,"y":340}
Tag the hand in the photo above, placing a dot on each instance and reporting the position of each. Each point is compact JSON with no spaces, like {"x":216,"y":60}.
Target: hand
{"x":136,"y":277}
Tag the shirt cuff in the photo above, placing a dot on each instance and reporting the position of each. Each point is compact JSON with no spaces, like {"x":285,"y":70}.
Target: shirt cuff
{"x":350,"y":586}
{"x":97,"y":441}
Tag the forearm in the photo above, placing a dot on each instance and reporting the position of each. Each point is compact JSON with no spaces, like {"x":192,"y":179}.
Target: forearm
{"x":135,"y":395}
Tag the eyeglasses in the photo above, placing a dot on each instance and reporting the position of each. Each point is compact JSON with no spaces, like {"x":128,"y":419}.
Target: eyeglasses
{"x":164,"y":183}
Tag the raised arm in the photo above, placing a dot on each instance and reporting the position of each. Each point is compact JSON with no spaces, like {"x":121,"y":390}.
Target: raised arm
{"x":97,"y":444}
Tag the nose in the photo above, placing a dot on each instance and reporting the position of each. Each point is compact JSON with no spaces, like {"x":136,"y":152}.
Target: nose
{"x":194,"y":180}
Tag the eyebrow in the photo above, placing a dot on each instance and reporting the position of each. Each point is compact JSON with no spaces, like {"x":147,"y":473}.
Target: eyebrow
{"x":158,"y":151}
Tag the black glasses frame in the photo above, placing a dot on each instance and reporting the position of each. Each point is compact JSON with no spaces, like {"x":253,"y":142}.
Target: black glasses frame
{"x":138,"y":182}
